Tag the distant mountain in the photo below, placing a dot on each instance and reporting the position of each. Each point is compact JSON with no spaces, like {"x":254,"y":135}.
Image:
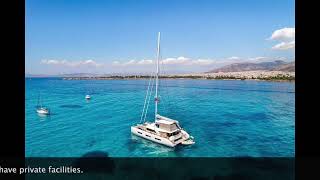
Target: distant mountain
{"x":79,"y":75}
{"x":266,"y":66}
{"x":38,"y":75}
{"x":289,"y":67}
{"x":63,"y":75}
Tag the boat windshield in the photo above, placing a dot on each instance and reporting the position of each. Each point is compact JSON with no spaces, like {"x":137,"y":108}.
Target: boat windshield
{"x":169,"y":127}
{"x":174,"y":133}
{"x":173,"y":126}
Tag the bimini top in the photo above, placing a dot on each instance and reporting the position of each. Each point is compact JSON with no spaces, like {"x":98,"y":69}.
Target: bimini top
{"x":165,"y":120}
{"x":167,"y":124}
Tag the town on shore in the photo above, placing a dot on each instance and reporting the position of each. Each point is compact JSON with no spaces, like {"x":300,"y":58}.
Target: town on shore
{"x":244,"y":75}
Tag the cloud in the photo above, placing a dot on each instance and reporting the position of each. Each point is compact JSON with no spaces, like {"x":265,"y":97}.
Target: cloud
{"x":203,"y":62}
{"x":187,"y":61}
{"x":283,"y":34}
{"x":259,"y":58}
{"x":178,"y":64}
{"x":145,"y":62}
{"x":284,"y":45}
{"x":233,"y":58}
{"x":179,"y":60}
{"x":184,"y":61}
{"x":50,"y":62}
{"x":286,"y":36}
{"x":133,"y":62}
{"x":168,"y":61}
{"x":85,"y":63}
{"x":130,"y":62}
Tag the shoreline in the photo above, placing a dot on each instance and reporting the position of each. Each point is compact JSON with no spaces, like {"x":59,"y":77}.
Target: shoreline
{"x":277,"y":76}
{"x":273,"y":79}
{"x":244,"y":75}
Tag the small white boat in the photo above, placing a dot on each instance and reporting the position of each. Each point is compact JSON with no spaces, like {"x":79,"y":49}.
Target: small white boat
{"x":88,"y":97}
{"x":43,"y":110}
{"x":163,"y":130}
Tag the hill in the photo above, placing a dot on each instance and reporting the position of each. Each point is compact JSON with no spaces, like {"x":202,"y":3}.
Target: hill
{"x":277,"y":65}
{"x":290,"y":67}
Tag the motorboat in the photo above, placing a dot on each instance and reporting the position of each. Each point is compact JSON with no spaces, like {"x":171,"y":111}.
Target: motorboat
{"x":88,"y":97}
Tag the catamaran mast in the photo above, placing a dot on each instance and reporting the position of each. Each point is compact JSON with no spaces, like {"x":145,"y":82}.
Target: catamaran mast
{"x":157,"y":77}
{"x":39,"y":101}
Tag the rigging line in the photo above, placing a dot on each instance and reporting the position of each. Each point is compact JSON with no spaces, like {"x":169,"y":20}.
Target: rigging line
{"x":145,"y":100}
{"x":160,"y":84}
{"x":166,"y":88}
{"x":38,"y":103}
{"x":149,"y":100}
{"x":40,"y":100}
{"x":160,"y":91}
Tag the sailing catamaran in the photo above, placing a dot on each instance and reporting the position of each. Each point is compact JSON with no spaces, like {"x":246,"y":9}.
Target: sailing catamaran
{"x":41,"y":109}
{"x":88,"y":97}
{"x":164,"y":130}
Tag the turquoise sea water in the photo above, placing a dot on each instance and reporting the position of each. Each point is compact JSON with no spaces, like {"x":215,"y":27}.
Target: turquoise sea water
{"x":227,"y":118}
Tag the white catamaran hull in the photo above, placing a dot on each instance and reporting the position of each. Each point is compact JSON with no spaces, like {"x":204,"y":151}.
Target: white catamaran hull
{"x":164,"y":130}
{"x":155,"y":138}
{"x":41,"y":111}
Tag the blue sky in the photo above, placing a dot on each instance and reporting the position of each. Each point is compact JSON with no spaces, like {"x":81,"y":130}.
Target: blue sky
{"x":108,"y":36}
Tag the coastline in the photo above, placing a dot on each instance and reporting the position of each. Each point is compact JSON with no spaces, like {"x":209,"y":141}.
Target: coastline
{"x":278,"y":76}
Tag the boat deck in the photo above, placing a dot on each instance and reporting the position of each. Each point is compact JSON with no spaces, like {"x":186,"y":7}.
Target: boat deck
{"x":144,"y":128}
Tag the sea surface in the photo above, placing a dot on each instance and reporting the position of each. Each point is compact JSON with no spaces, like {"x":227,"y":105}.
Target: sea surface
{"x":227,"y":118}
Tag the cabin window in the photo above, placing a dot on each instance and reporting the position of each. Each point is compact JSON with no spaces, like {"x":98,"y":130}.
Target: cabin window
{"x":148,"y":135}
{"x":139,"y":132}
{"x":158,"y":139}
{"x":173,"y":126}
{"x":169,"y":127}
{"x":151,"y":130}
{"x":157,"y":125}
{"x":173,"y":134}
{"x":165,"y":126}
{"x":177,"y":139}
